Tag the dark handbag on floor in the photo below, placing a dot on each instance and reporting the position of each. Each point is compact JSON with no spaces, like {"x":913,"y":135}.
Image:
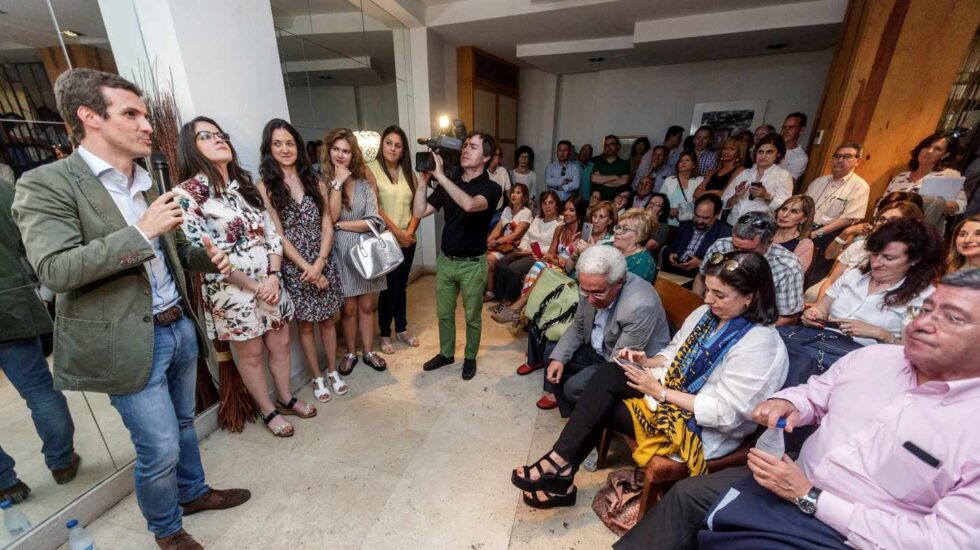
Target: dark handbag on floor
{"x":618,"y":501}
{"x":812,"y":351}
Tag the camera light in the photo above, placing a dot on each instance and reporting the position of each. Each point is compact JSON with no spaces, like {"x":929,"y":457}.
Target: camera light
{"x":444,"y":122}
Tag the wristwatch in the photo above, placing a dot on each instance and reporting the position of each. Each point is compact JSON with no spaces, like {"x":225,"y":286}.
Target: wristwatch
{"x":808,"y":502}
{"x":336,"y":185}
{"x":818,"y":233}
{"x":272,"y":272}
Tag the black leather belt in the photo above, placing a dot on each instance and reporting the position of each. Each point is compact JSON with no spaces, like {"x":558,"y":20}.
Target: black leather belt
{"x":168,"y":317}
{"x":459,"y":259}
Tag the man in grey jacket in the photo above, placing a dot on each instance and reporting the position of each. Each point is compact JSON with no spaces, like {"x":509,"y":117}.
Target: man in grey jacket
{"x":616,"y":310}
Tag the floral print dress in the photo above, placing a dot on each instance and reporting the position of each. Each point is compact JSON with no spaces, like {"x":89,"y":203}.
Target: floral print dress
{"x":248,"y":236}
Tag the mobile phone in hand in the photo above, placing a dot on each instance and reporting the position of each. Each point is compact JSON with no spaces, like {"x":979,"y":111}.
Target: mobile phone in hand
{"x":623,"y":363}
{"x":536,"y":249}
{"x":586,"y":231}
{"x":827,"y":323}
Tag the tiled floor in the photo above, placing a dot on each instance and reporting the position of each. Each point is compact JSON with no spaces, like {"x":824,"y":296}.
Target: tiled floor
{"x":406,"y":460}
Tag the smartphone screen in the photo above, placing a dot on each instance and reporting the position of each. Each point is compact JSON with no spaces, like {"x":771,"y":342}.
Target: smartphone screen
{"x":828,"y":323}
{"x":623,"y":362}
{"x":586,"y":231}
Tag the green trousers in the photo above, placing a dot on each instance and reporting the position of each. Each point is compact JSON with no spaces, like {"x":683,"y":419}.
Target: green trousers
{"x":454,"y":277}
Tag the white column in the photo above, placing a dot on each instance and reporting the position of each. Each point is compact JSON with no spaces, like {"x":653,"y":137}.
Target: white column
{"x":222,"y":57}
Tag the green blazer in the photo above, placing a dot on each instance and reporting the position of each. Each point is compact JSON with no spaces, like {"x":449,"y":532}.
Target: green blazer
{"x":82,"y":248}
{"x":22,"y":314}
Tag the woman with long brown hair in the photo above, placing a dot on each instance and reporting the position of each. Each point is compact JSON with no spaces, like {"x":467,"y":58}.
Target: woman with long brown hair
{"x":249,"y":307}
{"x":353,"y":205}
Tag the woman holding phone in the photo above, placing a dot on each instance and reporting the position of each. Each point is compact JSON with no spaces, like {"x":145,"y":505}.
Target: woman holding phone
{"x":512,"y":268}
{"x":763,"y":188}
{"x":249,"y":308}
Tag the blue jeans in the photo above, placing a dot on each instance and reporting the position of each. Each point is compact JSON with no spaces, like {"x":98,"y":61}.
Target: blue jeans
{"x":160,"y":420}
{"x":22,"y":361}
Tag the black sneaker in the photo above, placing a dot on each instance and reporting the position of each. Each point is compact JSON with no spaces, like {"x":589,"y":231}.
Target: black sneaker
{"x":469,"y":368}
{"x":438,"y":361}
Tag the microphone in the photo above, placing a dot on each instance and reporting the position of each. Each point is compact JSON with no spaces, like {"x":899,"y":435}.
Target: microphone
{"x":161,"y":171}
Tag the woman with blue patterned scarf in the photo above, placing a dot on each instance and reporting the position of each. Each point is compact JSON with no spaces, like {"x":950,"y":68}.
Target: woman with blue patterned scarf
{"x":691,"y":401}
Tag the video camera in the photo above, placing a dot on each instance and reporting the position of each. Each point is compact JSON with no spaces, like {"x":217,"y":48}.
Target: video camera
{"x":446,"y":146}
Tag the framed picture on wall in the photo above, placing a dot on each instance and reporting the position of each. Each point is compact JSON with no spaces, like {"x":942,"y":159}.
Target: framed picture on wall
{"x":729,"y":117}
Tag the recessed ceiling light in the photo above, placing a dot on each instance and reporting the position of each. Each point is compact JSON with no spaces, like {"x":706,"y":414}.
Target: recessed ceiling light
{"x":71,"y":33}
{"x":596,"y":59}
{"x":777,"y":46}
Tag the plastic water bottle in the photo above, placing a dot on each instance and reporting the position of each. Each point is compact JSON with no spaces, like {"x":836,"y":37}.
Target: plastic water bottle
{"x":591,"y":462}
{"x":771,"y":441}
{"x":78,"y":537}
{"x":14,"y":520}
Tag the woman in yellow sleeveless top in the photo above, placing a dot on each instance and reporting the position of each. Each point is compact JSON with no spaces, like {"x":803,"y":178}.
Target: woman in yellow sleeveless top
{"x":394,"y":182}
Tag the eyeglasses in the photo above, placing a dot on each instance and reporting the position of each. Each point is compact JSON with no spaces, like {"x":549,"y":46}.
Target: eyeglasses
{"x":717,"y":258}
{"x":839,"y":156}
{"x":623,"y":229}
{"x":944,"y":319}
{"x":756,"y":222}
{"x":205,"y":135}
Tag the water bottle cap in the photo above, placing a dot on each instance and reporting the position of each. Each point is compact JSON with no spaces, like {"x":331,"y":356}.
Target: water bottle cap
{"x":72,"y":523}
{"x":5,"y":503}
{"x":781,"y":423}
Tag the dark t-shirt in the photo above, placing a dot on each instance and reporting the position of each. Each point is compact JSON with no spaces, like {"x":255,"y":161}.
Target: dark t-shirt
{"x":618,"y":167}
{"x":465,"y":234}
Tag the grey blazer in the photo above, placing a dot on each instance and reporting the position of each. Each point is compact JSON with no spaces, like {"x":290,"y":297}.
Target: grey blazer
{"x":638,"y":322}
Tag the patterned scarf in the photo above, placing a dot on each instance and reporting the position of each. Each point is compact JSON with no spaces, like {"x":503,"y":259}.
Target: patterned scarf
{"x":670,"y":429}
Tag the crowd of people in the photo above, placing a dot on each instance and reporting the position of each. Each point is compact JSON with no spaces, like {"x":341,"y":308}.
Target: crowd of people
{"x":798,"y":294}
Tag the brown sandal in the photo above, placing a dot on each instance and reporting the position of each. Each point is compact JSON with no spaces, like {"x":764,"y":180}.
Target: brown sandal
{"x":283,"y":430}
{"x":290,"y":409}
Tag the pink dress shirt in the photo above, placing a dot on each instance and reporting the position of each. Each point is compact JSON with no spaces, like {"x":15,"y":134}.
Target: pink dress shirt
{"x":875,"y":492}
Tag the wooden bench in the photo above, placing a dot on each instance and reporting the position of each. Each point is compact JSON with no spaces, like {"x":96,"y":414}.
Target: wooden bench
{"x":678,"y":301}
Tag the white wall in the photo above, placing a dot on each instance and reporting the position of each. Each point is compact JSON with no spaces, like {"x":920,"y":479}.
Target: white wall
{"x":317,"y":109}
{"x":443,"y":90}
{"x":646,"y":100}
{"x":536,"y":123}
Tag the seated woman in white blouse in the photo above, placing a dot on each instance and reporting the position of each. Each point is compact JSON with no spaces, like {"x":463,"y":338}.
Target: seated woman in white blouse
{"x":511,"y":269}
{"x":931,"y":158}
{"x":764,"y":187}
{"x":725,"y":359}
{"x":872,"y":303}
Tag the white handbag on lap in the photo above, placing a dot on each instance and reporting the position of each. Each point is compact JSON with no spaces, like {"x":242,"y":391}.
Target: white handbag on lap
{"x":376,"y":254}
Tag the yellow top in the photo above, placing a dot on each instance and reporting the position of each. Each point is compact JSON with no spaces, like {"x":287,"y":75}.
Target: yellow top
{"x":396,"y":199}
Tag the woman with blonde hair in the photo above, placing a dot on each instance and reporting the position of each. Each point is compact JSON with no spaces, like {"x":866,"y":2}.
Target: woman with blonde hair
{"x":630,"y":237}
{"x":353,"y":205}
{"x":965,"y":252}
{"x":794,"y":219}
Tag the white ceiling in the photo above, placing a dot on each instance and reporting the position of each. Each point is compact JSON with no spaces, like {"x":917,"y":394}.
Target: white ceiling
{"x":27,"y":25}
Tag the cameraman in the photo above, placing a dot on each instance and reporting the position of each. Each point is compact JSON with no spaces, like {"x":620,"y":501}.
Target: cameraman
{"x":462,"y":265}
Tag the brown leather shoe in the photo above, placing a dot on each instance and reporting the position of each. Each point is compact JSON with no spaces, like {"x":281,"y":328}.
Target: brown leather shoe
{"x":16,"y":493}
{"x":68,"y":473}
{"x":179,"y":541}
{"x":216,"y":499}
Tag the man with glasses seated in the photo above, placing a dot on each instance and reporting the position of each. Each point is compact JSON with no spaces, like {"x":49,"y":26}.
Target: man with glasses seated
{"x":685,"y":253}
{"x":840,"y":200}
{"x":753,"y":232}
{"x":562,"y":176}
{"x":892,"y":463}
{"x":616,"y":310}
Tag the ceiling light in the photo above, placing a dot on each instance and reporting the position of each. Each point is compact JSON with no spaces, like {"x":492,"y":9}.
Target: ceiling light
{"x":596,"y":59}
{"x":71,"y":33}
{"x":777,"y":46}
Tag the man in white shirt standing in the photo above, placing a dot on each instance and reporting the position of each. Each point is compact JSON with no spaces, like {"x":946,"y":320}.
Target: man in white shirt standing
{"x":840,"y":199}
{"x":796,"y":160}
{"x":562,"y":176}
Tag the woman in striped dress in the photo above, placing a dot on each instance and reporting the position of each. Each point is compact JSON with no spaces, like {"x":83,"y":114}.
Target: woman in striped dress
{"x":353,"y":205}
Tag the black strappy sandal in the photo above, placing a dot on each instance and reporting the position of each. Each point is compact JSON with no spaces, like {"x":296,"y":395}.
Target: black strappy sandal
{"x":287,"y":409}
{"x":551,"y":483}
{"x":554,"y":501}
{"x":375,"y":361}
{"x":284,"y":430}
{"x":346,"y":365}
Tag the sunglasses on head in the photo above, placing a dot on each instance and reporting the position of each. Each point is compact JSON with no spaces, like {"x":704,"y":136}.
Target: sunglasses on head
{"x":718,"y":258}
{"x":758,"y":223}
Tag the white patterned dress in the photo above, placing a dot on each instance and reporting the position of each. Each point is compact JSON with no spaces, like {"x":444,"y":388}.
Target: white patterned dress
{"x":248,"y":236}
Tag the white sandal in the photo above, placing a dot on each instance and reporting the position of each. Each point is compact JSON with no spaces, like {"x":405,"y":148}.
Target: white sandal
{"x":320,"y":391}
{"x":339,"y":386}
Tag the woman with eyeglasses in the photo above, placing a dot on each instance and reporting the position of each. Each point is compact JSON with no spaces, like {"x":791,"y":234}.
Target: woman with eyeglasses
{"x":353,"y":205}
{"x":856,"y":252}
{"x":965,"y":252}
{"x":680,"y":188}
{"x":793,"y":222}
{"x":602,"y":216}
{"x":294,"y":196}
{"x":630,"y":236}
{"x":248,"y":308}
{"x":763,"y":188}
{"x":729,"y":166}
{"x":871,"y":302}
{"x":622,"y":201}
{"x":523,"y":171}
{"x":692,"y":400}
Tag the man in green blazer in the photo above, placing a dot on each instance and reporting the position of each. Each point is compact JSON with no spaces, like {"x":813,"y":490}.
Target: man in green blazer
{"x":23,"y":319}
{"x":112,"y":250}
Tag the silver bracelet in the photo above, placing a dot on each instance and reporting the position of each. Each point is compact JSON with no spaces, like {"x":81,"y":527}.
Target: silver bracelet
{"x":663,"y":396}
{"x":840,"y":241}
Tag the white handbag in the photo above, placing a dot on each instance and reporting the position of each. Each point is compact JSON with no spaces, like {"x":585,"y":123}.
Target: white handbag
{"x":376,"y":254}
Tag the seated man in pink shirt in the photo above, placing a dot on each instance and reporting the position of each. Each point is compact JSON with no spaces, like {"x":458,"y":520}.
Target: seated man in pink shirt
{"x":893,"y":463}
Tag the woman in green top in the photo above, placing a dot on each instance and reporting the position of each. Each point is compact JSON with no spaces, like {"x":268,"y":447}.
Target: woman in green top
{"x":631,"y":234}
{"x":394,"y":182}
